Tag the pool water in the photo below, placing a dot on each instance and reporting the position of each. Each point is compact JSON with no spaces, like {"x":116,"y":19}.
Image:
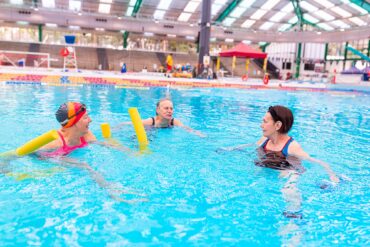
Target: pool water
{"x":195,"y":194}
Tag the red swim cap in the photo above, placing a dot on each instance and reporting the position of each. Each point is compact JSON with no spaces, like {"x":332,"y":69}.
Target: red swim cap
{"x":70,"y":113}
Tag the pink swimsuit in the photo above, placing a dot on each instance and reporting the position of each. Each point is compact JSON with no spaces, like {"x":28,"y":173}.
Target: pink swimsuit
{"x":65,"y":149}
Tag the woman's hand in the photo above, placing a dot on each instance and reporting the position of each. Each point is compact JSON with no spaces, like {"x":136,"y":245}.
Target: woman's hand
{"x":334,"y":178}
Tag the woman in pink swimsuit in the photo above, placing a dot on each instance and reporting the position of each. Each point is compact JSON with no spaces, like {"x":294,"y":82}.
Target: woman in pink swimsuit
{"x":74,"y":133}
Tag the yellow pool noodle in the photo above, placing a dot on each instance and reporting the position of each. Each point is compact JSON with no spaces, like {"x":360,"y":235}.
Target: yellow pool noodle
{"x":37,"y":143}
{"x":139,"y":127}
{"x":105,"y":129}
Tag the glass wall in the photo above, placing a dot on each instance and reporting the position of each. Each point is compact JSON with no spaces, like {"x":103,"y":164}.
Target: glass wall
{"x":360,"y":45}
{"x":94,"y":38}
{"x":336,"y":51}
{"x":29,"y":34}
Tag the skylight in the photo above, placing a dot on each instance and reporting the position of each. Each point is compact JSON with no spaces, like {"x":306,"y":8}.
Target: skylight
{"x":184,"y":17}
{"x":323,"y":15}
{"x":288,"y":8}
{"x":359,"y":9}
{"x":340,"y":24}
{"x":16,"y":1}
{"x":278,"y":16}
{"x":164,"y":4}
{"x":258,"y":14}
{"x":106,"y":1}
{"x":269,"y":4}
{"x":48,"y":3}
{"x":215,"y":9}
{"x":357,"y":21}
{"x":293,"y":20}
{"x":216,"y":6}
{"x":266,"y":25}
{"x":104,"y":8}
{"x":307,"y":6}
{"x":284,"y":27}
{"x":74,"y":5}
{"x":248,"y":23}
{"x":341,"y":12}
{"x":310,"y":18}
{"x":191,"y":6}
{"x":228,"y":21}
{"x":325,"y":3}
{"x":220,"y":2}
{"x":325,"y":26}
{"x":159,"y":14}
{"x":237,"y":12}
{"x":129,"y":11}
{"x":246,"y":3}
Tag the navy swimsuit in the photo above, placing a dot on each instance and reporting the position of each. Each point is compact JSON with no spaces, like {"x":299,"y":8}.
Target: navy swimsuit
{"x":278,"y":159}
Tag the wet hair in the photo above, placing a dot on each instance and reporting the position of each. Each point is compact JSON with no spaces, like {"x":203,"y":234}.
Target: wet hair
{"x":284,"y":115}
{"x":159,"y":102}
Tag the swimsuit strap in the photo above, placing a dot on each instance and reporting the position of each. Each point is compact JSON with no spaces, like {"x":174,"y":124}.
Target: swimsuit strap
{"x":171,"y":124}
{"x":83,"y":141}
{"x":264,"y":144}
{"x":284,"y":151}
{"x":62,"y":138}
{"x":153,"y":119}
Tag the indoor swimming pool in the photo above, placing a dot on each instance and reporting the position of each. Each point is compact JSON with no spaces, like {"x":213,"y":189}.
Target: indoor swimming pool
{"x":184,"y":191}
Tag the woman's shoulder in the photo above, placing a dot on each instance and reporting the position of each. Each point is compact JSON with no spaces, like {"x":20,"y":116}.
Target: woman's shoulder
{"x":177,"y":122}
{"x":53,"y":145}
{"x":149,"y":121}
{"x":261,"y":140}
{"x":295,"y":149}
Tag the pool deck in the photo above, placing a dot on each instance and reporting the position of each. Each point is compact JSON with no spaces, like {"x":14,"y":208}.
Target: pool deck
{"x":56,"y":77}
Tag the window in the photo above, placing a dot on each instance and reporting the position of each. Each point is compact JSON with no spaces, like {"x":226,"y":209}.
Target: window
{"x":287,"y":65}
{"x":309,"y":66}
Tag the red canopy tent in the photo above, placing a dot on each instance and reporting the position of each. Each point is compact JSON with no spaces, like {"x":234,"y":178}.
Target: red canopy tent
{"x":243,"y":50}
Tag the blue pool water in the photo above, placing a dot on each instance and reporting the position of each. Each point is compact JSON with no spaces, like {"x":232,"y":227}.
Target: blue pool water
{"x":195,"y":195}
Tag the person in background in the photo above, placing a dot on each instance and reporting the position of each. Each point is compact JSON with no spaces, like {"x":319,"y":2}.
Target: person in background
{"x":169,"y":63}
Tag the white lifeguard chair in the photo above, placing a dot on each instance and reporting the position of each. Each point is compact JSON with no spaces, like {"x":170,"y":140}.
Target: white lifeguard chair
{"x":70,"y":58}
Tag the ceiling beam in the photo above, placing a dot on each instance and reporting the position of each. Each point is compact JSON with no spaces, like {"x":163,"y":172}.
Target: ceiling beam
{"x":228,"y":10}
{"x":362,"y":4}
{"x":298,"y":12}
{"x":137,"y":7}
{"x":130,"y":24}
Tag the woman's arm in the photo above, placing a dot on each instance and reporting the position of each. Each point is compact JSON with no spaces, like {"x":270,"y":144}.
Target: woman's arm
{"x":118,"y":126}
{"x":177,"y":122}
{"x":235,"y":148}
{"x":114,"y":192}
{"x":148,"y":122}
{"x":112,"y":143}
{"x":296,"y":150}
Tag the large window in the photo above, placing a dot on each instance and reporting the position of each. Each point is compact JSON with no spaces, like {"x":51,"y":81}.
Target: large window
{"x":336,"y":51}
{"x":360,"y":45}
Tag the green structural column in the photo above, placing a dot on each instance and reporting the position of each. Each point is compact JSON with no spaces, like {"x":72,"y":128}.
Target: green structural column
{"x":325,"y":55}
{"x":345,"y":56}
{"x":40,"y":33}
{"x":298,"y":60}
{"x":368,"y":48}
{"x":125,"y":38}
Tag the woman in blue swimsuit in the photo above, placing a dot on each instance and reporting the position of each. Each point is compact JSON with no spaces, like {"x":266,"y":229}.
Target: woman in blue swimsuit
{"x":276,"y":145}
